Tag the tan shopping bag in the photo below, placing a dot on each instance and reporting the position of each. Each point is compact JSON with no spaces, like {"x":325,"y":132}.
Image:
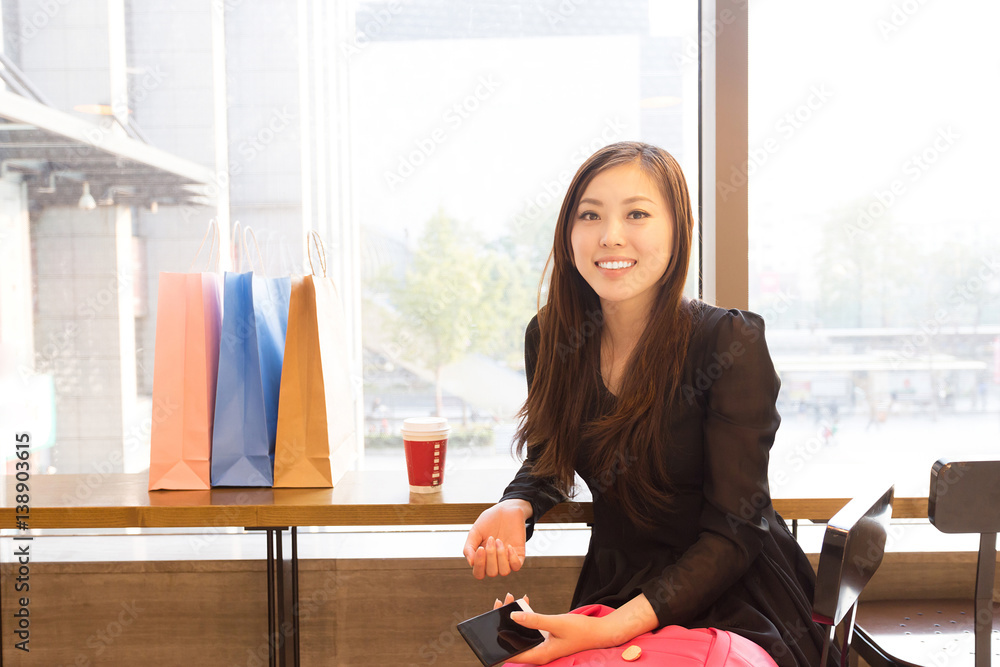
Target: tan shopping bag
{"x":185,"y":370}
{"x":316,"y":433}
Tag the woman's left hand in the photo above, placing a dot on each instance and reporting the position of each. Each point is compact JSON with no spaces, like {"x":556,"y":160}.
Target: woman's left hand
{"x":568,"y":634}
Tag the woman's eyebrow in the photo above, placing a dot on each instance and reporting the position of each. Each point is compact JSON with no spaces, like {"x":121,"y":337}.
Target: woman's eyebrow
{"x":630,"y":200}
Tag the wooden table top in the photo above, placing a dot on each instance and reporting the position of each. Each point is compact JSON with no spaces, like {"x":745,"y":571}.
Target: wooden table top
{"x":365,"y":498}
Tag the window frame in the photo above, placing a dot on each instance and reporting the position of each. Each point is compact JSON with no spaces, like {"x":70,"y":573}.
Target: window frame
{"x":724,"y":145}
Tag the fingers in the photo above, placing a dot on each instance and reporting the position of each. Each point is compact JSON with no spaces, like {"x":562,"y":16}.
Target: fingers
{"x":507,"y":600}
{"x":530,"y":619}
{"x":472,"y":542}
{"x":491,"y":557}
{"x":479,"y":563}
{"x":503,"y":558}
{"x":514,"y":561}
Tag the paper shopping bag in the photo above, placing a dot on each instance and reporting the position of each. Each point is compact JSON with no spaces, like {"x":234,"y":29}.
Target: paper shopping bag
{"x":185,"y":367}
{"x":250,"y":355}
{"x":316,"y":434}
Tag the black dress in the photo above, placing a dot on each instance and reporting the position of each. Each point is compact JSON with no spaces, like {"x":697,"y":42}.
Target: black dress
{"x":722,"y":557}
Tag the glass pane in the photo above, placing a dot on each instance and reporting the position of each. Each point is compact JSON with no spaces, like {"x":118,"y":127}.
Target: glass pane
{"x":873,"y":245}
{"x":430,"y":141}
{"x":467,"y":124}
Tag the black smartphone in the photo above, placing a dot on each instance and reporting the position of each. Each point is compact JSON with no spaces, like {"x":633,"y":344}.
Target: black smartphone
{"x":495,"y":638}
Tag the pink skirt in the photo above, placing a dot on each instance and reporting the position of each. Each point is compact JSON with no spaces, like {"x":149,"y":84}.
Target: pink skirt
{"x":671,"y":645}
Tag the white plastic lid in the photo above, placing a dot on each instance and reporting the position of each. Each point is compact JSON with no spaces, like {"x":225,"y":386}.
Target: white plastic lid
{"x":426,"y":424}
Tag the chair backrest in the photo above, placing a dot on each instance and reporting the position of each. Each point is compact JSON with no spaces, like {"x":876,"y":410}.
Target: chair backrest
{"x":853,"y":547}
{"x":965,"y":498}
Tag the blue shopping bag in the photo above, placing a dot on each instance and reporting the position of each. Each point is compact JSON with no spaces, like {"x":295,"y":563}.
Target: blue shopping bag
{"x":251,"y":348}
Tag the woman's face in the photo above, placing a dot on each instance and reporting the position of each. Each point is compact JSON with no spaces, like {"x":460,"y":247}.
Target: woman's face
{"x":622,"y":236}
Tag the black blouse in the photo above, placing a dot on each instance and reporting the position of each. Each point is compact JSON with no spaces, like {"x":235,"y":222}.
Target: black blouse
{"x":721,"y":557}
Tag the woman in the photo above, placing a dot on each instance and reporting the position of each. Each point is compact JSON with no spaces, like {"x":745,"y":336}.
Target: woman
{"x":666,"y":408}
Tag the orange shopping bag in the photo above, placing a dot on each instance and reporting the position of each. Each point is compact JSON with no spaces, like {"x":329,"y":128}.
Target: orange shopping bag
{"x":316,"y":435}
{"x":185,"y":370}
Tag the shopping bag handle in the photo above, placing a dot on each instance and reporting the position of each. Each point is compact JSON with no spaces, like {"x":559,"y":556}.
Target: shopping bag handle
{"x":248,"y":233}
{"x":213,"y":229}
{"x":234,"y":247}
{"x":315,"y":240}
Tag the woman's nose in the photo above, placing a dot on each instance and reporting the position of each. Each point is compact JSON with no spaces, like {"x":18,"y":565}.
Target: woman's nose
{"x":613,"y":235}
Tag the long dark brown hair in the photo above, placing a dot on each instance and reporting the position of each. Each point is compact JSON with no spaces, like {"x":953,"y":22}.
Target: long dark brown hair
{"x":626,"y":450}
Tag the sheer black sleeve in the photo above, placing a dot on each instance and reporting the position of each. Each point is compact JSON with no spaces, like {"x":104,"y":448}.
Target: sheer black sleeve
{"x":739,"y":429}
{"x":541,"y":493}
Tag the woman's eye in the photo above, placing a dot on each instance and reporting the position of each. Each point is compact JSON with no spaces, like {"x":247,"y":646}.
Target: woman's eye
{"x":588,"y":215}
{"x":637,"y":215}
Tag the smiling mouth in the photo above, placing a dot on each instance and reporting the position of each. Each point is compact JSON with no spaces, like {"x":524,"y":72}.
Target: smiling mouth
{"x":616,"y":265}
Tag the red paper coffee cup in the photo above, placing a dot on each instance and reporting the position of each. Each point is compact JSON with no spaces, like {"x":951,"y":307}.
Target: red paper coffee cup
{"x":425,"y":440}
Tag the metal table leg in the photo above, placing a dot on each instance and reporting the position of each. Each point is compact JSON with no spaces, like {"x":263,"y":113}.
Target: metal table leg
{"x":287,"y":575}
{"x":271,"y":654}
{"x":282,"y":596}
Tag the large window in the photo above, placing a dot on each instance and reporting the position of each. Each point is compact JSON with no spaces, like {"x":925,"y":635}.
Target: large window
{"x":467,"y":124}
{"x":429,"y":142}
{"x":873,"y":235}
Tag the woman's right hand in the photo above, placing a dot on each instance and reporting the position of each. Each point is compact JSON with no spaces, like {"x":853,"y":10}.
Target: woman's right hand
{"x":495,"y":545}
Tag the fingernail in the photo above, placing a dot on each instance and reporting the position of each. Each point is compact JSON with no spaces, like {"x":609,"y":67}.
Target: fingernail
{"x":498,"y":601}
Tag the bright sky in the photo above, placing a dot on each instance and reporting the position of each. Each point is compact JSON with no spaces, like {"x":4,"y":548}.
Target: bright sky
{"x":519,"y":123}
{"x":884,"y":86}
{"x":896,"y":82}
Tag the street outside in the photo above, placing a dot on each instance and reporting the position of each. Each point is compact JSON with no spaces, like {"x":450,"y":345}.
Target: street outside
{"x":807,"y":459}
{"x":815,"y":456}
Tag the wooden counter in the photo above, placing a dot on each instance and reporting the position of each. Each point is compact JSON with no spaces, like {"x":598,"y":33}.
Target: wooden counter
{"x":369,"y":498}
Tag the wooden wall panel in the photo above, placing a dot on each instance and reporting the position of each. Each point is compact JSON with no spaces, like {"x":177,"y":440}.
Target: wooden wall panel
{"x":377,"y":612}
{"x":387,"y":615}
{"x":158,"y":613}
{"x":185,"y":614}
{"x":911,"y":576}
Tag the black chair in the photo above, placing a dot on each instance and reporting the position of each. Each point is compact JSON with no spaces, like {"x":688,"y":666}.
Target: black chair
{"x":964,"y":498}
{"x":853,"y":547}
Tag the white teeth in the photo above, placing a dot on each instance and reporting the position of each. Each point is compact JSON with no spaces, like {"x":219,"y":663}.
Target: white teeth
{"x":615,"y":265}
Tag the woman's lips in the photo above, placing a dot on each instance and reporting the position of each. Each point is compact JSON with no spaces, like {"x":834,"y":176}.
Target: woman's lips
{"x":616,"y":264}
{"x":615,"y":268}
